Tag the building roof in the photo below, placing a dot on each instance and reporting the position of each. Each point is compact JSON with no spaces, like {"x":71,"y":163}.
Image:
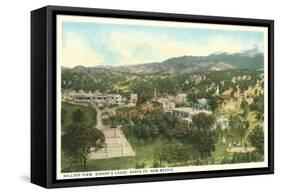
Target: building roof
{"x":192,"y":110}
{"x":226,"y":93}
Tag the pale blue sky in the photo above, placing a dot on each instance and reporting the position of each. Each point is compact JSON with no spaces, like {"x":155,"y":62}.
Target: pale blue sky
{"x":92,"y":44}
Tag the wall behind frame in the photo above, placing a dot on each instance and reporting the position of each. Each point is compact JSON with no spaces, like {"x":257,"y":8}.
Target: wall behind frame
{"x":15,"y":101}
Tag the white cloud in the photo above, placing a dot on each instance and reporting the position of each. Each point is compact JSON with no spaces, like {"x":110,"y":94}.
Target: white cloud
{"x":228,"y":45}
{"x":151,"y":47}
{"x":140,"y":47}
{"x":76,"y":51}
{"x":144,"y":47}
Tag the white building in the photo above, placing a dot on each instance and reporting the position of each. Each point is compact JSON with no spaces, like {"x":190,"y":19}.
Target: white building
{"x":217,"y":93}
{"x":188,"y":112}
{"x":202,"y":103}
{"x":180,"y":99}
{"x":223,"y":122}
{"x":97,"y":97}
{"x":166,"y":104}
{"x":133,"y":98}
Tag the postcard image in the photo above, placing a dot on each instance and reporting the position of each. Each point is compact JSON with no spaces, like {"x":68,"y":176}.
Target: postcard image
{"x":139,"y":97}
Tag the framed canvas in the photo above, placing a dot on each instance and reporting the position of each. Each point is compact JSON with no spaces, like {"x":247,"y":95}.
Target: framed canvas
{"x":126,"y":96}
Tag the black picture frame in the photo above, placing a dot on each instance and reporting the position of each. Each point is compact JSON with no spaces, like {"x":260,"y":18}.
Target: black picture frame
{"x":43,"y":95}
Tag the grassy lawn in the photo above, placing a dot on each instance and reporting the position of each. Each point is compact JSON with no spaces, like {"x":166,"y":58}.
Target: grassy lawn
{"x":144,"y":154}
{"x":111,"y":163}
{"x":89,"y":114}
{"x":220,"y":152}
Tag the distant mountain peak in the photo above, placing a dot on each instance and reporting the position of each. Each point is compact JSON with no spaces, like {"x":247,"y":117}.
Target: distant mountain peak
{"x":79,"y":67}
{"x":217,"y":61}
{"x":219,"y":53}
{"x":251,"y":52}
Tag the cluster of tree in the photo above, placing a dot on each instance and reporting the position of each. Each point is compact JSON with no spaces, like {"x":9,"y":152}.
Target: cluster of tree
{"x":91,"y":80}
{"x":200,"y":136}
{"x":204,"y":136}
{"x":258,"y":106}
{"x":145,"y":84}
{"x":189,"y":142}
{"x":256,"y":138}
{"x":80,"y":139}
{"x":243,"y":158}
{"x":233,"y":80}
{"x":239,"y":126}
{"x":245,"y":107}
{"x":144,"y":89}
{"x":76,"y":114}
{"x":148,"y":125}
{"x":174,"y":152}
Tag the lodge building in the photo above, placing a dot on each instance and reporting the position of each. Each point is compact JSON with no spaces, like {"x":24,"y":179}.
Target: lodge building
{"x":96,"y":97}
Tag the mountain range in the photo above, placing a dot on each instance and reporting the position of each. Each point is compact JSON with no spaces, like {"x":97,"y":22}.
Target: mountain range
{"x":218,"y":61}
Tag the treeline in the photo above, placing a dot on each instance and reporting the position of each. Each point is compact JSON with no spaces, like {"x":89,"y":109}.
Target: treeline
{"x":79,"y":136}
{"x":182,"y":143}
{"x":145,"y":84}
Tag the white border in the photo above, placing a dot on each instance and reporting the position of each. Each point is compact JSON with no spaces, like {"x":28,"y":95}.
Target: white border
{"x":128,"y":172}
